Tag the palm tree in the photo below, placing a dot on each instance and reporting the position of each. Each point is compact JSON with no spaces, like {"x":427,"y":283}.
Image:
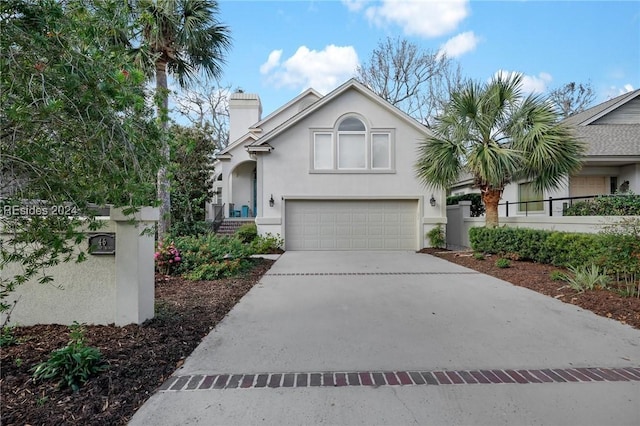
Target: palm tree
{"x":181,"y":38}
{"x":498,"y":135}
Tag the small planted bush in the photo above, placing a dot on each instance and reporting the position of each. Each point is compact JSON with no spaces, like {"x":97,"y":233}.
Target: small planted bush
{"x":217,"y":270}
{"x":247,"y":232}
{"x":267,"y":243}
{"x":587,"y":278}
{"x":7,"y":337}
{"x":437,"y":237}
{"x":478,"y":256}
{"x":167,"y":258}
{"x":557,"y":276}
{"x":503,"y":263}
{"x":72,"y":365}
{"x":211,"y":256}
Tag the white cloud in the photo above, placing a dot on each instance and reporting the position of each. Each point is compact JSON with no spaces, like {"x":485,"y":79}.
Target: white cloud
{"x":417,"y":17}
{"x":532,"y":83}
{"x":272,"y":62}
{"x":354,"y":5}
{"x":322,"y":70}
{"x":459,"y":45}
{"x":614,"y":91}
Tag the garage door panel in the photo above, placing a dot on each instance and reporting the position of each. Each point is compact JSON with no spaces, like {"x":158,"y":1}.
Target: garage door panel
{"x":351,"y":225}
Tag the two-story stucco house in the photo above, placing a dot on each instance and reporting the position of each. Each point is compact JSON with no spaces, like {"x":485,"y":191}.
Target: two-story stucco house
{"x":333,"y":172}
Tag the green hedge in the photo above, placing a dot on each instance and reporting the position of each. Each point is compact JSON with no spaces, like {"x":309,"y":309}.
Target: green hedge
{"x":477,"y":208}
{"x":609,"y":205}
{"x":617,"y":251}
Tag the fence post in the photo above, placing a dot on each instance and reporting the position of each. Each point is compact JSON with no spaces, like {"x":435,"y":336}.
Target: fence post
{"x":550,"y":206}
{"x":506,"y":204}
{"x":134,"y":274}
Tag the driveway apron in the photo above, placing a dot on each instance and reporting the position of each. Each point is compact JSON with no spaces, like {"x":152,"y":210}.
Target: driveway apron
{"x":401,"y":338}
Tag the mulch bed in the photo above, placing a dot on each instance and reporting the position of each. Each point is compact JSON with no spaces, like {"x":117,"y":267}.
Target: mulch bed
{"x":536,"y":276}
{"x":141,"y":358}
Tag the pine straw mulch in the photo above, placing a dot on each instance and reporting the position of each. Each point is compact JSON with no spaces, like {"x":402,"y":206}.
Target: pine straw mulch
{"x":140,"y":358}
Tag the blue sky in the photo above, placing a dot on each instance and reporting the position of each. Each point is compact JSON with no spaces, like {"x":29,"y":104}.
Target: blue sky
{"x":281,"y":48}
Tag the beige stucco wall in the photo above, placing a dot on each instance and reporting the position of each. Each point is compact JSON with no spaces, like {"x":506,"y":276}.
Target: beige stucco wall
{"x":104,"y":289}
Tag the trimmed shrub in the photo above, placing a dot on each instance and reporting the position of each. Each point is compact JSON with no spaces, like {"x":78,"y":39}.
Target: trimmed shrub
{"x":516,"y":243}
{"x":247,"y":232}
{"x":557,"y":248}
{"x":477,"y":208}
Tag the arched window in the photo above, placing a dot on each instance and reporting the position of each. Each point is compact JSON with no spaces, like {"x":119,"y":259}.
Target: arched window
{"x":351,"y":147}
{"x":351,"y":124}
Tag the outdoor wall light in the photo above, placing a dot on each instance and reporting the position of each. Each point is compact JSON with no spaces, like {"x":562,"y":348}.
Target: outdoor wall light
{"x":432,"y":201}
{"x":271,"y":201}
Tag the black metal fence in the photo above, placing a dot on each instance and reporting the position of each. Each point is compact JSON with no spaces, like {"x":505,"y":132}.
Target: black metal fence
{"x":566,"y":202}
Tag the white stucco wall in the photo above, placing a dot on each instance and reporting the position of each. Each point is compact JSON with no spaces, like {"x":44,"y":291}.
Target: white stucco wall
{"x":632,"y":174}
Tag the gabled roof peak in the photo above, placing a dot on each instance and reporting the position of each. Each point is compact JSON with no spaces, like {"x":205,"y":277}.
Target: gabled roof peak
{"x":591,"y":114}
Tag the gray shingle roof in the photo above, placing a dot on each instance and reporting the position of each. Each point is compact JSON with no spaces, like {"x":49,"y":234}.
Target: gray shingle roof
{"x":610,"y":139}
{"x":607,"y":139}
{"x":587,"y":114}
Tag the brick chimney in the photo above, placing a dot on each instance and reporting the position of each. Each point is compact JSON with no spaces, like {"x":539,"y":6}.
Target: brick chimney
{"x":245,"y":110}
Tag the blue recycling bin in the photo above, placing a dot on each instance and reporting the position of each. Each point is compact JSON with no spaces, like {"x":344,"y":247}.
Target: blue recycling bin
{"x":245,"y":211}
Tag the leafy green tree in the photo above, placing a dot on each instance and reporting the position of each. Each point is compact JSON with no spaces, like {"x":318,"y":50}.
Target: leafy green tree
{"x":498,"y":135}
{"x":192,"y":173}
{"x":75,"y":130}
{"x":181,"y":38}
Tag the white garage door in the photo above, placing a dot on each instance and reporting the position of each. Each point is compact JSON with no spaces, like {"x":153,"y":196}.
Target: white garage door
{"x":351,"y":225}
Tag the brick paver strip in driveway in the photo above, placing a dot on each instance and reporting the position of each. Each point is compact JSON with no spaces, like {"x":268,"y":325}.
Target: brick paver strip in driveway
{"x":406,"y":378}
{"x":401,"y":338}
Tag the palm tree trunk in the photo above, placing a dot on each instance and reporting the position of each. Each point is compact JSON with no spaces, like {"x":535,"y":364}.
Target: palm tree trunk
{"x":491,"y":198}
{"x":164,"y":196}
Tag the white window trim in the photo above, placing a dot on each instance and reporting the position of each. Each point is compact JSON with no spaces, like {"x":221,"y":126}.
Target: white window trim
{"x":371,"y":152}
{"x":368,"y":148}
{"x":313,"y":151}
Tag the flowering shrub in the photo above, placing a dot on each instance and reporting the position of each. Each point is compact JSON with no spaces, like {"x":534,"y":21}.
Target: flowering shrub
{"x":167,"y":258}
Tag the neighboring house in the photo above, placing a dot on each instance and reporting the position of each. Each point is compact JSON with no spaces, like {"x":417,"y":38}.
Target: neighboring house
{"x":611,"y":131}
{"x":332,"y":172}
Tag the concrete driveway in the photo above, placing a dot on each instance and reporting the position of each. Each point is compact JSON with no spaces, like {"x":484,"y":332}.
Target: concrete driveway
{"x":402,"y":338}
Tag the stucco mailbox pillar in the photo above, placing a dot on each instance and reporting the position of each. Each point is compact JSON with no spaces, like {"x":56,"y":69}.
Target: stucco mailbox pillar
{"x":135,"y":291}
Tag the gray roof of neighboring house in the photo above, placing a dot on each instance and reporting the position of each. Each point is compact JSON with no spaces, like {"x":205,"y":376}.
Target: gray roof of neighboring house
{"x":607,"y":139}
{"x":611,"y":139}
